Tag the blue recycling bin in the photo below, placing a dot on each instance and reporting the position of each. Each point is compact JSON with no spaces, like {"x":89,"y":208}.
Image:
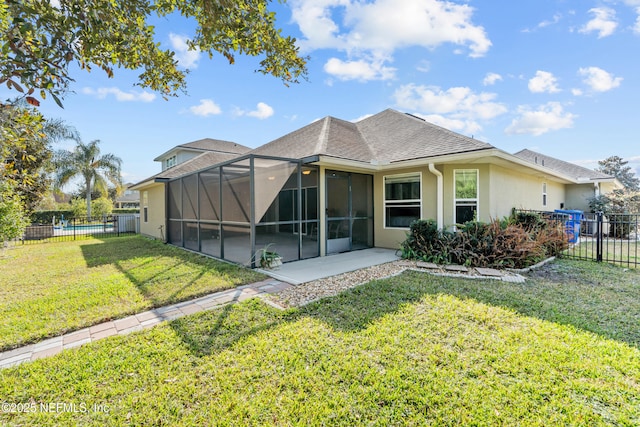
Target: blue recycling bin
{"x":572,"y":225}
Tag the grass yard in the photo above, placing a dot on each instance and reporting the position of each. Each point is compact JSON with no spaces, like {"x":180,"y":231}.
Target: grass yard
{"x":410,"y":350}
{"x":52,"y":288}
{"x":622,"y":252}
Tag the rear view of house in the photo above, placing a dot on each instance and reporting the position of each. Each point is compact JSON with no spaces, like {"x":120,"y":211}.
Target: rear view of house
{"x":335,"y":186}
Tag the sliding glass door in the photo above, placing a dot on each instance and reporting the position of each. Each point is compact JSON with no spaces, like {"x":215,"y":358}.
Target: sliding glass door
{"x":349,"y":211}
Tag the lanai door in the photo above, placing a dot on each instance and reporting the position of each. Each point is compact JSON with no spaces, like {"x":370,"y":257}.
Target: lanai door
{"x":349,"y":211}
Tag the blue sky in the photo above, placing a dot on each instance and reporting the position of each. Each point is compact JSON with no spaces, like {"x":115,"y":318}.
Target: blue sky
{"x":558,"y":77}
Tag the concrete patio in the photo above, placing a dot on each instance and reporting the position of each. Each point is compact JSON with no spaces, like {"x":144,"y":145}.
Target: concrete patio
{"x":307,"y":270}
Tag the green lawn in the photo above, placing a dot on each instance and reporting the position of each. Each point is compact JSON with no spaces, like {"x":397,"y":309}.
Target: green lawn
{"x":410,"y":350}
{"x":48,"y":289}
{"x":615,"y":251}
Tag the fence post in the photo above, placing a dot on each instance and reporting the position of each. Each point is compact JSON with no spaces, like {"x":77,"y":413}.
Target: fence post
{"x":599,"y":237}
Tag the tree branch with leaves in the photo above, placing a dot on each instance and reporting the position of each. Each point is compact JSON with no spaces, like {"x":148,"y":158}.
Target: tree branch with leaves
{"x":40,"y":39}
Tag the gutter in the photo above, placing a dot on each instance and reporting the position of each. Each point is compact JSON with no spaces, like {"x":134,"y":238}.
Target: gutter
{"x":440,"y":195}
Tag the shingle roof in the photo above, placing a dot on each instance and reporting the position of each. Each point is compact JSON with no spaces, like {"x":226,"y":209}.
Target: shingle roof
{"x":389,"y":136}
{"x":328,"y":136}
{"x":201,"y":161}
{"x":209,"y":144}
{"x":569,"y":169}
{"x":396,"y":136}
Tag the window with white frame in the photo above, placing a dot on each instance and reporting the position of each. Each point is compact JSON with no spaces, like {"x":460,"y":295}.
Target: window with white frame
{"x":544,"y":194}
{"x":466,"y":195}
{"x":145,"y":206}
{"x":402,"y":200}
{"x":170,"y":162}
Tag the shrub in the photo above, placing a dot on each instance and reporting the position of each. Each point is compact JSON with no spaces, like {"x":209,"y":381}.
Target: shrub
{"x":425,"y":242}
{"x":13,"y":219}
{"x":500,"y":243}
{"x":46,"y":217}
{"x":101,"y":206}
{"x":530,"y":221}
{"x":621,"y":225}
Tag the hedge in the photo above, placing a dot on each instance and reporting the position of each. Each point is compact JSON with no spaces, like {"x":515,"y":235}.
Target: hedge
{"x":46,"y":217}
{"x":498,"y":244}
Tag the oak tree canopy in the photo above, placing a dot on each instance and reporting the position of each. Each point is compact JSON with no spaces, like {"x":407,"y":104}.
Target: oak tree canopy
{"x":40,"y":39}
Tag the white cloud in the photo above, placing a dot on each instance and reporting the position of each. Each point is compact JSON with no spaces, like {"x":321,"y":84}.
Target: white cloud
{"x":556,"y":18}
{"x":603,"y":22}
{"x":365,"y":116}
{"x":103,"y":92}
{"x":544,"y":81}
{"x":456,"y":125}
{"x":366,"y":30}
{"x":576,"y":92}
{"x":262,"y":111}
{"x":545,"y":118}
{"x":358,"y":70}
{"x":459,"y":107}
{"x":424,"y":66}
{"x":635,"y":4}
{"x":598,"y":79}
{"x":491,"y":78}
{"x":206,"y":108}
{"x":186,"y":58}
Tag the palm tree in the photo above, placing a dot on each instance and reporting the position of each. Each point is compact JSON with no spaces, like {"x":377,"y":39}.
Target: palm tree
{"x":86,"y":162}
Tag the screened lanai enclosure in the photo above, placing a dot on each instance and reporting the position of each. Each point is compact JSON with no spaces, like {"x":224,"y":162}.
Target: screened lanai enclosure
{"x":234,"y":210}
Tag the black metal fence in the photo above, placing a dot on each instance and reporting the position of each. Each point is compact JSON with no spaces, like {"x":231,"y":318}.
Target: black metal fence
{"x":61,"y":229}
{"x":608,"y":238}
{"x":612,"y":238}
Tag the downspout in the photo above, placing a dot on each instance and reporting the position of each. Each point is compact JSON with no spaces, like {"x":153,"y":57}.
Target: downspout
{"x":440,"y":195}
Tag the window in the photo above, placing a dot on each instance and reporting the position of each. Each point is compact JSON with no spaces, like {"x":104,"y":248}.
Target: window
{"x":145,"y":204}
{"x":170,"y":162}
{"x":466,"y":195}
{"x":544,"y":194}
{"x":402,"y":200}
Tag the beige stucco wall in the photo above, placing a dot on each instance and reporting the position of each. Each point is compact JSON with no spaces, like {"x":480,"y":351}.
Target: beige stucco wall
{"x":578,"y":196}
{"x":155,"y":211}
{"x":511,"y":189}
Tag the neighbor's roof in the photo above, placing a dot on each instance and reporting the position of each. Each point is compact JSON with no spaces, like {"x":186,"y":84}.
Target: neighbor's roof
{"x":389,"y":136}
{"x":199,"y":162}
{"x":208,"y":144}
{"x":574,"y":171}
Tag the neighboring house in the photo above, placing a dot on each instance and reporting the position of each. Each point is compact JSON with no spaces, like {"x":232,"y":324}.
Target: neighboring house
{"x":130,"y":199}
{"x":184,"y":152}
{"x":193,"y":156}
{"x":334,"y":186}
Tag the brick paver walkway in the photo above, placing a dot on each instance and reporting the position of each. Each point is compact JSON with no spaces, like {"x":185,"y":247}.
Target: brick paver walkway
{"x":137,"y":322}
